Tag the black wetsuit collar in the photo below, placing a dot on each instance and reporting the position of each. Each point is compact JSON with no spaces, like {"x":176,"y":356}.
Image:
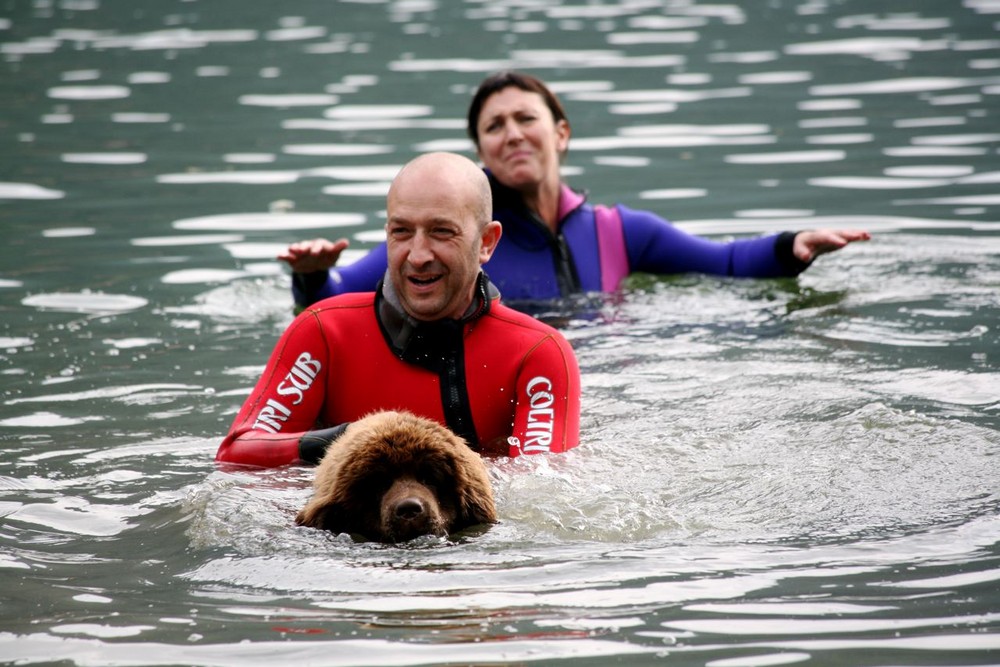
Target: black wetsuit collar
{"x":414,"y":341}
{"x":530,"y":232}
{"x":508,"y":198}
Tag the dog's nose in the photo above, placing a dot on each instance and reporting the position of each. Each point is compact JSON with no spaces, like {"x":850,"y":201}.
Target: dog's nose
{"x":409,"y":509}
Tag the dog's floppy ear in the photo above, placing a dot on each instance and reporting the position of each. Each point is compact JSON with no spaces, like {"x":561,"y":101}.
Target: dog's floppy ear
{"x":475,"y":493}
{"x":325,"y":516}
{"x":311,"y":515}
{"x":328,"y":508}
{"x":477,"y":505}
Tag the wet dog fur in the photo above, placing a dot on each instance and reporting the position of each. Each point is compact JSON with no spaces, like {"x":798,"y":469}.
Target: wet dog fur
{"x":393,"y":476}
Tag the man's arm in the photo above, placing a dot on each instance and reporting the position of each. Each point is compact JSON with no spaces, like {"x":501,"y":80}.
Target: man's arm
{"x":547,"y":412}
{"x":277,"y":422}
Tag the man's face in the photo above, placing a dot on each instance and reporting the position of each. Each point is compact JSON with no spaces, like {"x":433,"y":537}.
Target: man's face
{"x":435,"y":247}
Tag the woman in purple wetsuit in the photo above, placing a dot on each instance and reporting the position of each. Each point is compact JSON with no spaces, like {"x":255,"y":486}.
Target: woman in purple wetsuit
{"x":555,"y":243}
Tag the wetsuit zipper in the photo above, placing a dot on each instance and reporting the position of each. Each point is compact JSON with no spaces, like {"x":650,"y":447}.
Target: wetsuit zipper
{"x":562,"y":260}
{"x":439,"y":347}
{"x":455,"y":397}
{"x":567,"y":278}
{"x":566,"y":275}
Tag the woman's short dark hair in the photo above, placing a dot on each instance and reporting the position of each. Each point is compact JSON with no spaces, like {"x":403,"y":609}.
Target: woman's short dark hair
{"x":497,"y":82}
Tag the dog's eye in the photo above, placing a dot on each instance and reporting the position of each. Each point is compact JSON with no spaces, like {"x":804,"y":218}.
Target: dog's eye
{"x":429,"y":476}
{"x":372,"y":486}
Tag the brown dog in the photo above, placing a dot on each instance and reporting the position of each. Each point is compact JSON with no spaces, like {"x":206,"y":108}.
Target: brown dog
{"x":393,"y":476}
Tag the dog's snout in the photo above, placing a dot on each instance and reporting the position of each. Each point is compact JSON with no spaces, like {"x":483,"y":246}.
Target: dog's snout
{"x":409,"y":509}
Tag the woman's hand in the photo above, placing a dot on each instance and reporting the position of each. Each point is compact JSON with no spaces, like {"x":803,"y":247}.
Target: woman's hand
{"x":315,"y":254}
{"x":811,"y":244}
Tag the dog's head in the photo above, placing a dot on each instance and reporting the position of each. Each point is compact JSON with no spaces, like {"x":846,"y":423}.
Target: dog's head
{"x":393,"y":476}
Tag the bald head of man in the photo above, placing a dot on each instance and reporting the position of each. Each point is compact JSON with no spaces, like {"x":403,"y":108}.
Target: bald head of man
{"x":439,"y":232}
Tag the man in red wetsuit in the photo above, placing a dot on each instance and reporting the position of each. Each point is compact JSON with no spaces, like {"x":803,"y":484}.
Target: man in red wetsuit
{"x":434,"y":339}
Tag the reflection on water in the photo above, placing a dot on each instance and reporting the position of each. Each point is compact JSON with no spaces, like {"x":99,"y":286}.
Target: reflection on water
{"x":773,"y":472}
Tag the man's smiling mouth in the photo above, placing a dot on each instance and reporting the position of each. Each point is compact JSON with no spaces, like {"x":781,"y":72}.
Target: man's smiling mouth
{"x":424,"y":281}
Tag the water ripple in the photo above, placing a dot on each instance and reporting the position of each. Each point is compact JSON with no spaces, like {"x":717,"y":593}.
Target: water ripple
{"x":241,"y":222}
{"x":28,"y":191}
{"x":85,"y":302}
{"x":772,"y":472}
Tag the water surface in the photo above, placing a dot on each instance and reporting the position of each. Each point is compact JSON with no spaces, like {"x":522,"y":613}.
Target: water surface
{"x":772,"y":472}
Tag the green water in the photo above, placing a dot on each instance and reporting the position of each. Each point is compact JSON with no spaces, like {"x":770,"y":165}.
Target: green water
{"x":772,"y":472}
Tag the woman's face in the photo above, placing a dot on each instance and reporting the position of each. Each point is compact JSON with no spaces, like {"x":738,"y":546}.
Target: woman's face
{"x":519,"y":140}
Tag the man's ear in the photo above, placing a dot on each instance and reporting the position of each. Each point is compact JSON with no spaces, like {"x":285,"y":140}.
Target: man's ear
{"x":490,"y":237}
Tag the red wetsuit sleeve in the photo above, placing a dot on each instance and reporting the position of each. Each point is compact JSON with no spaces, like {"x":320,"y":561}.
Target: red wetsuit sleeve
{"x":286,"y":402}
{"x":547,"y":412}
